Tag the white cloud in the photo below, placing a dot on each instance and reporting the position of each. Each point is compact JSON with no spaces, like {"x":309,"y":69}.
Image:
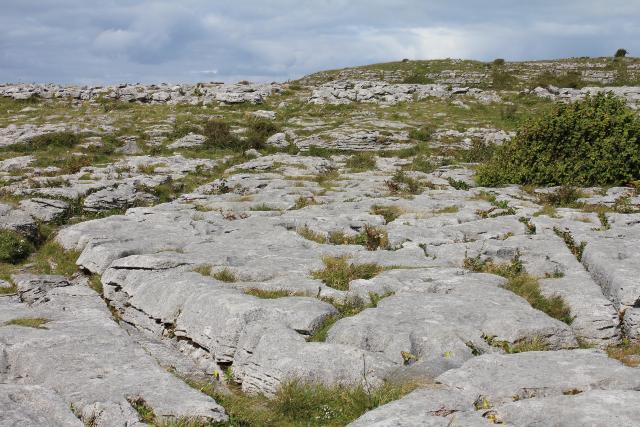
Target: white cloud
{"x":154,"y":40}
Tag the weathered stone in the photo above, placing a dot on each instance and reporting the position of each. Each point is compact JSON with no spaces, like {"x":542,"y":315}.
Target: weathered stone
{"x":46,"y":210}
{"x":90,"y":361}
{"x":34,"y":406}
{"x":17,"y":220}
{"x":120,"y":197}
{"x":188,"y":141}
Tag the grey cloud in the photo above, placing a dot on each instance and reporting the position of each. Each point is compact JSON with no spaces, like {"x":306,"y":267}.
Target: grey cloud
{"x":161,"y":40}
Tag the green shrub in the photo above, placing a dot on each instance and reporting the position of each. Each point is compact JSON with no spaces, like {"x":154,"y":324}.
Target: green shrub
{"x":361,"y":162}
{"x":423,"y":133}
{"x":480,"y":151}
{"x":594,"y":142}
{"x":570,"y":79}
{"x":13,"y":247}
{"x":218,"y":135}
{"x":502,"y":80}
{"x":338,"y":272}
{"x":417,"y":79}
{"x":561,"y":197}
{"x":389,"y":212}
{"x":50,"y":140}
{"x":621,"y":53}
{"x":257,"y":133}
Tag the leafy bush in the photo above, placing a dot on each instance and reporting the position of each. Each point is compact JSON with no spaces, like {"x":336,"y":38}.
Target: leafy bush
{"x":423,"y":133}
{"x":621,"y":53}
{"x":562,"y":196}
{"x":570,"y":79}
{"x":13,"y":247}
{"x":338,"y":272}
{"x":591,"y":142}
{"x":218,"y":134}
{"x":502,"y":80}
{"x":258,"y":132}
{"x":361,"y":161}
{"x":418,"y":79}
{"x":48,"y":141}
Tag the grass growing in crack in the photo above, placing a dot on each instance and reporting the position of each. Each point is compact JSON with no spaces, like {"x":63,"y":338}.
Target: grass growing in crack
{"x":326,"y":179}
{"x":309,"y":234}
{"x":303,"y":202}
{"x":225,"y":275}
{"x":373,"y":238}
{"x":338,"y":272}
{"x":95,"y":283}
{"x":628,"y":352}
{"x":145,"y":412}
{"x":524,"y":285}
{"x":28,"y":322}
{"x":272,"y":293}
{"x":528,"y":287}
{"x":576,"y":250}
{"x":507,"y":270}
{"x":389,"y":213}
{"x":262,"y":207}
{"x":458,"y":184}
{"x":361,"y":162}
{"x":303,"y":404}
{"x":447,"y":210}
{"x":52,"y":258}
{"x":530,"y":344}
{"x":334,"y":405}
{"x":547,"y":210}
{"x":347,"y":308}
{"x":564,"y":196}
{"x":402,"y":184}
{"x":204,"y":270}
{"x":8,"y":290}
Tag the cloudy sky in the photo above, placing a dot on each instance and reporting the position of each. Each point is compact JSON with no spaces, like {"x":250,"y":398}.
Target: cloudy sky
{"x":106,"y":41}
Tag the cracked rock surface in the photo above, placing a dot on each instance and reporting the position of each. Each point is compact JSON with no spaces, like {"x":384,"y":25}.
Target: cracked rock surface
{"x":343,"y":242}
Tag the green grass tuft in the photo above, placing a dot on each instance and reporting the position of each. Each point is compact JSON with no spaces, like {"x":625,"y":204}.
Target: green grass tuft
{"x":338,"y":272}
{"x":28,"y":322}
{"x":389,"y":212}
{"x":225,"y":275}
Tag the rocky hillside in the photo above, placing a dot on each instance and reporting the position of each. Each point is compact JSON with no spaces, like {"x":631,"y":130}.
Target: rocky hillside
{"x":315,"y":252}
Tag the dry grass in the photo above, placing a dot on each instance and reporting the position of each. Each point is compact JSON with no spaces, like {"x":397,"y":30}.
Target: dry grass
{"x":338,"y":272}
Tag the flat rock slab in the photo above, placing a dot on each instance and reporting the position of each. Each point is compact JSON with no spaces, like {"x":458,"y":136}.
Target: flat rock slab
{"x":568,"y":387}
{"x":46,"y":210}
{"x":34,"y":406}
{"x":443,"y":319}
{"x":89,"y":360}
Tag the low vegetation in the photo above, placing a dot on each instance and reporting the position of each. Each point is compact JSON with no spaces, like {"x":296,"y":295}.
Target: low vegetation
{"x":361,"y":162}
{"x":13,"y":247}
{"x":225,"y":275}
{"x":405,"y":185}
{"x":349,"y":307}
{"x":28,"y":322}
{"x":628,"y":352}
{"x":531,"y":344}
{"x":304,"y":404}
{"x":373,"y":238}
{"x":389,"y":212}
{"x":338,"y":272}
{"x":272,"y":293}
